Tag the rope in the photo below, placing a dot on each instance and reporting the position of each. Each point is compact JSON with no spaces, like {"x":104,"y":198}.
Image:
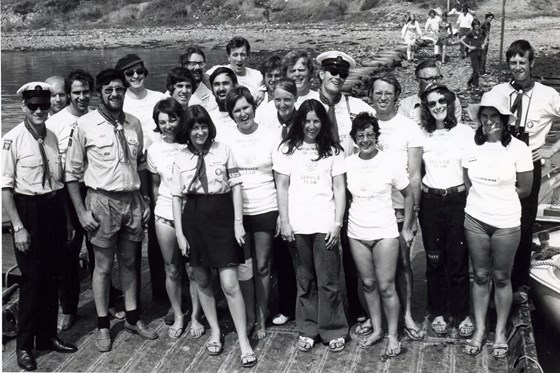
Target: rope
{"x":531,"y":360}
{"x":545,"y":263}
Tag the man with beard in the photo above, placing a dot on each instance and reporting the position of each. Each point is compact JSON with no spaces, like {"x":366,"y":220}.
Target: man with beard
{"x":427,"y":72}
{"x":194,"y":59}
{"x":536,"y":107}
{"x":59,"y":98}
{"x":31,"y":185}
{"x":222,"y":81}
{"x":106,"y":149}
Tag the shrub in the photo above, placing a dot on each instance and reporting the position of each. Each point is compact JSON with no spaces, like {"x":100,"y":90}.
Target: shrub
{"x":24,"y":8}
{"x":368,"y":4}
{"x":62,"y":6}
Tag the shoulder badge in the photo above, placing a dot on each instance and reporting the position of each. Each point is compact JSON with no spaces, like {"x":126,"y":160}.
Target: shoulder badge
{"x":7,"y":144}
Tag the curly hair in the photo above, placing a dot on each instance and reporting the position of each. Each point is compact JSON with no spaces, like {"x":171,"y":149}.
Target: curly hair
{"x":427,"y":121}
{"x":363,"y":121}
{"x":324,"y":142}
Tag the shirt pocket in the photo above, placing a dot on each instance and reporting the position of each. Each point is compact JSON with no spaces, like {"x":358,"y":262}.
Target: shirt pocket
{"x":103,"y":148}
{"x":31,"y":170}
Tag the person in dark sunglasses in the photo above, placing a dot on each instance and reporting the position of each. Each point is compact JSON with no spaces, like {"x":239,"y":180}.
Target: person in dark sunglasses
{"x":31,"y":195}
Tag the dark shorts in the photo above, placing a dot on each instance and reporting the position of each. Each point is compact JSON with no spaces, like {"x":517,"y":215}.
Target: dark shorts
{"x":119,"y":215}
{"x":265,"y":222}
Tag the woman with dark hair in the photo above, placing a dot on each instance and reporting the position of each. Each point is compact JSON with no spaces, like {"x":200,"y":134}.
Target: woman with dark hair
{"x":442,"y":211}
{"x":207,"y":179}
{"x":431,"y":30}
{"x":411,"y":33}
{"x":167,"y":116}
{"x":475,"y":42}
{"x":311,"y":199}
{"x":445,"y":35}
{"x":372,"y":227}
{"x":252,"y":146}
{"x":278,"y":115}
{"x":498,"y":171}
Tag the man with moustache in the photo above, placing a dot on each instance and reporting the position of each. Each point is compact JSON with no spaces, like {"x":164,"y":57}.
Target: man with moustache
{"x":106,"y":149}
{"x":31,"y":186}
{"x":59,"y":98}
{"x":427,"y":72}
{"x":222,"y":80}
{"x":194,"y":59}
{"x":536,"y":107}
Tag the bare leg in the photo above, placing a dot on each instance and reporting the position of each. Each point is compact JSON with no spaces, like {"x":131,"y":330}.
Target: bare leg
{"x":261,"y":254}
{"x":101,"y":278}
{"x":404,"y":284}
{"x":197,"y":329}
{"x":126,"y":255}
{"x":206,"y":297}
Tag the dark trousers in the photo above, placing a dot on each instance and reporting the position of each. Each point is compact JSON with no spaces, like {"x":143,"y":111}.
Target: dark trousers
{"x":45,"y":220}
{"x":287,"y":288}
{"x":319,"y":307}
{"x":447,"y":256}
{"x":351,"y":278}
{"x":529,"y":204}
{"x":476,"y":63}
{"x":462,"y":32}
{"x":483,"y":60}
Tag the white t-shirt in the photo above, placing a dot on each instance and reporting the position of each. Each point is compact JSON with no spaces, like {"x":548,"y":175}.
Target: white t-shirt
{"x":205,"y":96}
{"x":252,"y":79}
{"x":311,"y":205}
{"x":442,"y":155}
{"x":397,"y":135}
{"x":143,"y":109}
{"x":224,"y":124}
{"x":267,"y":116}
{"x":371,"y":215}
{"x":311,"y":94}
{"x":62,"y":124}
{"x":161,"y":156}
{"x":492,"y":170}
{"x":253,"y":153}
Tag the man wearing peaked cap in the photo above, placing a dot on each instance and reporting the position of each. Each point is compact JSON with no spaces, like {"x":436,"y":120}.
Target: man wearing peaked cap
{"x":31,"y":184}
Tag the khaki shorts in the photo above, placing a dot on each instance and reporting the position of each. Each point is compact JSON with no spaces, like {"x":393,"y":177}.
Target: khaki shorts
{"x":119,"y":215}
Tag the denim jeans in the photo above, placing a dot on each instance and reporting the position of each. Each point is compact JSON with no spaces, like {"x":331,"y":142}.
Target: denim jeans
{"x":476,"y":63}
{"x":319,"y":307}
{"x":447,"y":257}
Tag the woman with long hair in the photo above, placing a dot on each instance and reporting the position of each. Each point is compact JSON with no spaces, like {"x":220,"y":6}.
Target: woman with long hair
{"x":311,"y":199}
{"x":411,"y":33}
{"x":498,"y":171}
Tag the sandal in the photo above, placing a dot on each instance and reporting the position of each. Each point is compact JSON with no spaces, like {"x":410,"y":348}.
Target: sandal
{"x":197,"y":332}
{"x":414,"y":334}
{"x":175,"y":332}
{"x":364,"y":330}
{"x":248,"y":360}
{"x":392,"y":352}
{"x":337,"y":345}
{"x":439,"y":326}
{"x":305,"y":344}
{"x":466,"y":327}
{"x":370,"y":341}
{"x":472,"y":347}
{"x":500,"y":350}
{"x":214,"y":348}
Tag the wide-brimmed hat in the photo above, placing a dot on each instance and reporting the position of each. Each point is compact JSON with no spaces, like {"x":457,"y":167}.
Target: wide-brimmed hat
{"x":494,"y":100}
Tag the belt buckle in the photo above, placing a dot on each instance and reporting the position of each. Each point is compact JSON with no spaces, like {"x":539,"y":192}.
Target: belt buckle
{"x":444,"y":192}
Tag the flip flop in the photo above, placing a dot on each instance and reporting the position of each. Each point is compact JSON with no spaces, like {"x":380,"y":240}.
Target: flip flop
{"x":439,"y":326}
{"x":248,"y":360}
{"x":370,"y":341}
{"x":414,"y":334}
{"x":305,"y":344}
{"x":500,"y":350}
{"x":475,"y":347}
{"x":214,"y":348}
{"x":466,"y":328}
{"x":363,"y":330}
{"x":392,"y":352}
{"x":175,"y":332}
{"x":337,"y":345}
{"x":197,"y":332}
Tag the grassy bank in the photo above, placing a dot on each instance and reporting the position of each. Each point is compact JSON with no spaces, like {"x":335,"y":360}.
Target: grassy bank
{"x":72,"y":14}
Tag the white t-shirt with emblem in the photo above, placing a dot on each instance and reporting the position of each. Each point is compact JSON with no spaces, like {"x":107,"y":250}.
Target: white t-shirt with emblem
{"x":311,"y":205}
{"x":143,"y":109}
{"x":62,"y":124}
{"x":492,"y":170}
{"x":371,"y":215}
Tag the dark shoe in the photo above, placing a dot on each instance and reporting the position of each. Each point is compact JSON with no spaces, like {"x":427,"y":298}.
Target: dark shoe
{"x":103,"y":340}
{"x":26,"y":360}
{"x":169,"y":319}
{"x":141,"y":329}
{"x":58,"y":345}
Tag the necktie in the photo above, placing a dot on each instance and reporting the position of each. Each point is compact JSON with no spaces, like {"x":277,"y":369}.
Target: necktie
{"x":517,"y":107}
{"x":200,"y":173}
{"x":41,"y":139}
{"x":331,"y":103}
{"x":119,"y":131}
{"x":286,"y":123}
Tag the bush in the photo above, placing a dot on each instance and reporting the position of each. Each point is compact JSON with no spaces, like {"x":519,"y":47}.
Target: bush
{"x":62,"y":6}
{"x":24,"y":8}
{"x":368,"y":4}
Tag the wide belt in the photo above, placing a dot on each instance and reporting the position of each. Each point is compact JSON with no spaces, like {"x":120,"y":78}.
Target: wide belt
{"x":443,"y":192}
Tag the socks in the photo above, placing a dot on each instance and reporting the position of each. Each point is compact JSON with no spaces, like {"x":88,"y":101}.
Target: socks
{"x":132,"y":317}
{"x":103,"y":322}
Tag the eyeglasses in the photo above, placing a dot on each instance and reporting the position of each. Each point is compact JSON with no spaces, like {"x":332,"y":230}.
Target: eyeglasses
{"x":334,"y":72}
{"x":196,"y":64}
{"x":441,"y":101}
{"x":361,"y":136}
{"x":139,"y":71}
{"x":432,"y":79}
{"x":119,"y":90}
{"x":33,"y":107}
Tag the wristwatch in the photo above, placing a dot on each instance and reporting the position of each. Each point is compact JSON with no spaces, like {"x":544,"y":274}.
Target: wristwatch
{"x":18,"y":228}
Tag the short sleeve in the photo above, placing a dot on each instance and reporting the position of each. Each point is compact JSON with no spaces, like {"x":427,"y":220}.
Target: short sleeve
{"x":233,"y":174}
{"x":400,"y":178}
{"x":467,"y":154}
{"x":524,"y":161}
{"x":281,"y":161}
{"x":415,"y":138}
{"x":75,"y":155}
{"x":8,"y":163}
{"x":176,"y":181}
{"x":151,"y":162}
{"x":338,"y":166}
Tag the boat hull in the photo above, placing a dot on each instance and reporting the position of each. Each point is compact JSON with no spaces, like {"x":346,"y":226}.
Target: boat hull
{"x":545,"y":287}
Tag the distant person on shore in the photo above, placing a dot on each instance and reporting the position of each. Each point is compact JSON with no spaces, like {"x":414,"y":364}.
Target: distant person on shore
{"x":411,"y":33}
{"x":107,"y":151}
{"x":298,"y":66}
{"x":194,"y":59}
{"x":32,"y":183}
{"x":427,"y":72}
{"x":59,"y":97}
{"x":475,"y":41}
{"x":485,"y":27}
{"x":536,"y":107}
{"x":222,"y":80}
{"x":431,"y":30}
{"x":464,"y":21}
{"x":238,"y":50}
{"x":445,"y":35}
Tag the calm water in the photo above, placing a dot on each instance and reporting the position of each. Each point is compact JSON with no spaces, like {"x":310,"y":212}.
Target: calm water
{"x":19,"y":68}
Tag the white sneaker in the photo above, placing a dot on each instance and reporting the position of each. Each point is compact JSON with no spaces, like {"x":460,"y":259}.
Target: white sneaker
{"x":280,"y":319}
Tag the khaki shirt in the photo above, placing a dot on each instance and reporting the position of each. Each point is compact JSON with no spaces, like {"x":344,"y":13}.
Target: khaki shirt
{"x":95,"y":153}
{"x":22,"y":164}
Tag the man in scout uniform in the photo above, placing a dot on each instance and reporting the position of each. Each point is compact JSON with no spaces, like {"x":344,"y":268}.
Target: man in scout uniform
{"x":106,"y":149}
{"x":31,"y":184}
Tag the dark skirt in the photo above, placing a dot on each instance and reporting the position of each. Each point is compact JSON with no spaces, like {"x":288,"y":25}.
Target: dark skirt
{"x":208,"y":225}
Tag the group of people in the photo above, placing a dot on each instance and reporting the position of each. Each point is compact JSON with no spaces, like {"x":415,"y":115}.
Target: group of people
{"x":235,"y":171}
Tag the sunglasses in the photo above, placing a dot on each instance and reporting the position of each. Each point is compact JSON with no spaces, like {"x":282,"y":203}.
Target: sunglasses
{"x":118,"y":90}
{"x":334,"y":72}
{"x":34,"y":107}
{"x":139,"y":71}
{"x":441,"y":101}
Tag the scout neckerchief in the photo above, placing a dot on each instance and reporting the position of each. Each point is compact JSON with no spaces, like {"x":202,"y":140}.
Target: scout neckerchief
{"x":286,"y":123}
{"x":118,"y":124}
{"x":332,"y":116}
{"x":40,"y":137}
{"x":517,"y":108}
{"x":200,"y":173}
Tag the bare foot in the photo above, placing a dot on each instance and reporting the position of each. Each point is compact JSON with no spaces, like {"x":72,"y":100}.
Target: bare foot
{"x":197,"y":329}
{"x":259,"y":332}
